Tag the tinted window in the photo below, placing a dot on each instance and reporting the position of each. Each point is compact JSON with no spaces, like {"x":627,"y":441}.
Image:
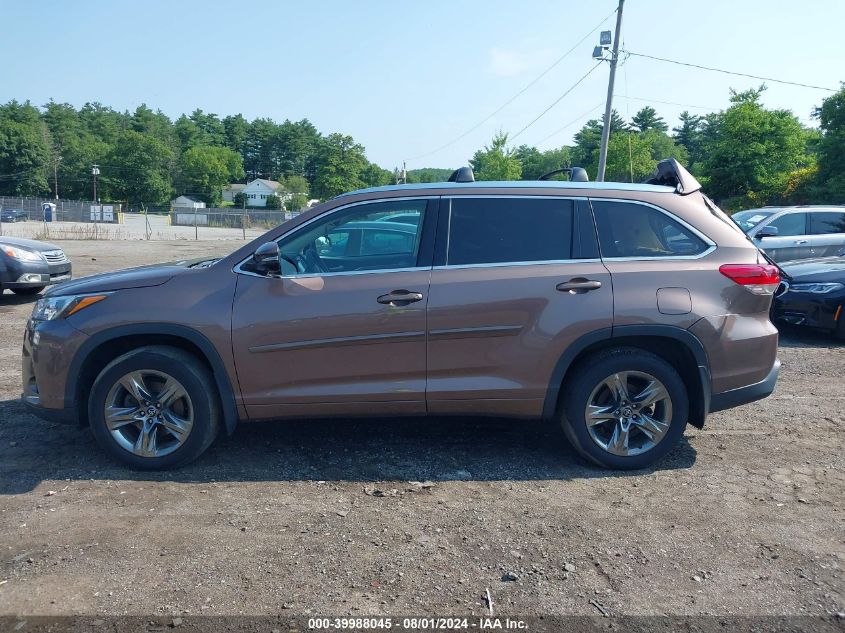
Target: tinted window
{"x":635,"y":230}
{"x":826,"y":222}
{"x":790,"y":224}
{"x":500,"y":230}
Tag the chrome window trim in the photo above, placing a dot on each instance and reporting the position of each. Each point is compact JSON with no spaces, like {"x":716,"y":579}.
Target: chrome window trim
{"x":544,"y":262}
{"x":711,"y":245}
{"x":238,"y":268}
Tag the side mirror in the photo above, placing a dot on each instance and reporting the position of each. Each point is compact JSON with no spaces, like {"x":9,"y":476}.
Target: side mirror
{"x":266,"y":258}
{"x":767,"y":231}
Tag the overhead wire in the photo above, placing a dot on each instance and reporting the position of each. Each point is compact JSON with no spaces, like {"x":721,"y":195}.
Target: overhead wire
{"x":517,"y":95}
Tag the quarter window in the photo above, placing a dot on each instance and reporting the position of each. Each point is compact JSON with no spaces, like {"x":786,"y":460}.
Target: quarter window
{"x":826,"y":222}
{"x":635,"y":230}
{"x":506,"y":230}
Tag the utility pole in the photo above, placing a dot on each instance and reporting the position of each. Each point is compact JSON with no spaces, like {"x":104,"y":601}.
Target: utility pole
{"x":56,"y":175}
{"x":605,"y":132}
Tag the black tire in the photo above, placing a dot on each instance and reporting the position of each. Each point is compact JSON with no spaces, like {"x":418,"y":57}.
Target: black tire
{"x":27,"y":292}
{"x":588,"y":375}
{"x":198,"y":384}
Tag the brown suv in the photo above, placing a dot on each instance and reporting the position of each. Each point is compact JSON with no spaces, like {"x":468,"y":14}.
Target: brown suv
{"x":620,"y":311}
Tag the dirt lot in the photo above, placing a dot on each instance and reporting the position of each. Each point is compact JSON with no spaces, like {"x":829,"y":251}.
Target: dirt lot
{"x":745,"y":518}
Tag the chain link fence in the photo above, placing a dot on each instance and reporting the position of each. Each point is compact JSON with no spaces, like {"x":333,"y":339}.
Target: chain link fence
{"x":73,"y":219}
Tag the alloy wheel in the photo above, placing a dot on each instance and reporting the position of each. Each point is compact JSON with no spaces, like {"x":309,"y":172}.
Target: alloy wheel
{"x":149,"y":413}
{"x":628,"y":413}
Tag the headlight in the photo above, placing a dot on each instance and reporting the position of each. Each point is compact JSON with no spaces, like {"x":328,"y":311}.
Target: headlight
{"x":21,"y":254}
{"x":817,"y":288}
{"x":50,"y":308}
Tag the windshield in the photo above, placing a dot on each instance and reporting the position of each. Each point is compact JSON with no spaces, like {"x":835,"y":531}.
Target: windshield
{"x":747,"y":220}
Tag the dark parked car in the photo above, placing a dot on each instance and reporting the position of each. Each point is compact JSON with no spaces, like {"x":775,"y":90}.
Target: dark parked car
{"x":28,"y":266}
{"x":620,"y":311}
{"x":14,"y":215}
{"x":791,"y":233}
{"x":813,"y":294}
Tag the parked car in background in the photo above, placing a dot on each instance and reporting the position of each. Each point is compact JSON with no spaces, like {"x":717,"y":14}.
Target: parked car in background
{"x":791,"y":233}
{"x":29,"y":266}
{"x":620,"y":311}
{"x":14,"y":215}
{"x":813,"y":294}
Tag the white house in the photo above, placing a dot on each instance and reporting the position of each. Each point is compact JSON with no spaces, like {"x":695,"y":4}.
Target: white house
{"x":257,"y":191}
{"x":230,"y":191}
{"x":186,"y":202}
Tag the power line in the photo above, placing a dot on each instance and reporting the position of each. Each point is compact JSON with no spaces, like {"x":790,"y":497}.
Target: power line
{"x":572,"y":122}
{"x":517,"y":95}
{"x":556,"y":101}
{"x":683,"y":105}
{"x":729,"y":72}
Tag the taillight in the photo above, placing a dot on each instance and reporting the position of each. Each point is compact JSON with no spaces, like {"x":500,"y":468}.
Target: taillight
{"x":761,"y":279}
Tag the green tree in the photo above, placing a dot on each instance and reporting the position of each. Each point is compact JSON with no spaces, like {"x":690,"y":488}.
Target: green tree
{"x":689,"y":134}
{"x":25,"y":150}
{"x":831,"y":148}
{"x":647,"y":119}
{"x":205,"y":170}
{"x":750,"y":151}
{"x":138,"y":169}
{"x":273,"y":202}
{"x":496,"y":161}
{"x":297,"y":187}
{"x":536,"y":163}
{"x":340,"y":161}
{"x":428,"y":174}
{"x":588,"y":138}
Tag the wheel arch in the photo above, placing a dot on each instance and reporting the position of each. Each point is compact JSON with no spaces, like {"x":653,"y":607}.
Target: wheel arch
{"x":103,"y":347}
{"x":677,"y":346}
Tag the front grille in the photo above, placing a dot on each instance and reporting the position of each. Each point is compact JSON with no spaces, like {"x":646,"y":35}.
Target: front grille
{"x":55,"y":257}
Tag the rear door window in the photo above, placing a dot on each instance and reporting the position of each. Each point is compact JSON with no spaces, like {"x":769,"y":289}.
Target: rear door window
{"x":790,"y":224}
{"x":509,"y":230}
{"x":630,"y":229}
{"x":827,"y":222}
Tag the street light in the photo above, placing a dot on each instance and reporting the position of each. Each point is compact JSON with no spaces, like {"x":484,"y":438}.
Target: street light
{"x":95,"y":171}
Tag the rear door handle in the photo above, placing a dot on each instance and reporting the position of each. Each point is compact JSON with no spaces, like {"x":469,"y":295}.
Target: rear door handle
{"x":579,"y":285}
{"x":400,"y":297}
{"x":801,"y":242}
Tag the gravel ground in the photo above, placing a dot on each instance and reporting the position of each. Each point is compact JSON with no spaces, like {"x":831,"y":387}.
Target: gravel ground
{"x":323,"y":518}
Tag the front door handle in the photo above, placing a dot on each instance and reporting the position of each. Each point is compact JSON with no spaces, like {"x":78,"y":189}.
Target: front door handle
{"x":400,"y":297}
{"x":579,"y":285}
{"x":801,"y":242}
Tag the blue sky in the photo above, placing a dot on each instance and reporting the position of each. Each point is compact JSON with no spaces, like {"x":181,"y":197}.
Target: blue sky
{"x":406,"y":78}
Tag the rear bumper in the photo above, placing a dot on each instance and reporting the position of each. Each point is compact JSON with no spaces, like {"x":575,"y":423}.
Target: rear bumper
{"x":744,"y":395}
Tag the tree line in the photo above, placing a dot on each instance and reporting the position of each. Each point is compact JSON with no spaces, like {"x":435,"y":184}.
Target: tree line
{"x":745,"y":155}
{"x":145,"y":157}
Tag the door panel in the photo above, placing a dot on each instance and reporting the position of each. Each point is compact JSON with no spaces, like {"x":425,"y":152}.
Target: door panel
{"x":827,"y":233}
{"x":791,"y":242}
{"x":496,"y":333}
{"x":307,"y":345}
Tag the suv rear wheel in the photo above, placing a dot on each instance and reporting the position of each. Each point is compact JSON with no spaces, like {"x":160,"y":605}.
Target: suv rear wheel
{"x":154,"y":408}
{"x":625,"y":409}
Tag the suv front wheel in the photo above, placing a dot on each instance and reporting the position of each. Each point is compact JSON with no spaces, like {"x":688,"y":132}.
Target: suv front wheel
{"x":625,"y":409}
{"x":154,"y":408}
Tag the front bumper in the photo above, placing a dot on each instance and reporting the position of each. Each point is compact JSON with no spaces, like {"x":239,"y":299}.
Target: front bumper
{"x":744,"y":395}
{"x":18,"y":274}
{"x":47,"y":352}
{"x":804,"y":308}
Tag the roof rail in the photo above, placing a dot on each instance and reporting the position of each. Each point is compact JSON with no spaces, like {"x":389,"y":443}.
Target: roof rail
{"x":671,"y":173}
{"x":576,"y":174}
